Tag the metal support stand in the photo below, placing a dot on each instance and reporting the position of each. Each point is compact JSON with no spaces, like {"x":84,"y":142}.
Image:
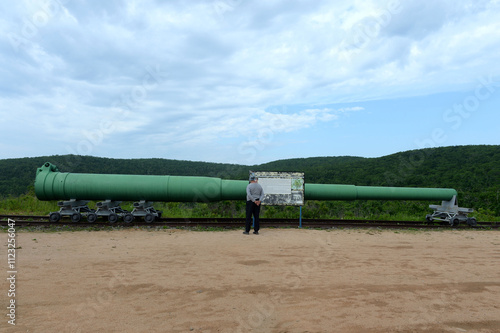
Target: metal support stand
{"x":146,"y":210}
{"x":112,"y":210}
{"x":449,"y":212}
{"x":74,"y":208}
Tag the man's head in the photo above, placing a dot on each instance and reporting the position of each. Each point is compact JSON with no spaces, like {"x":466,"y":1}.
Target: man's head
{"x":253,"y":178}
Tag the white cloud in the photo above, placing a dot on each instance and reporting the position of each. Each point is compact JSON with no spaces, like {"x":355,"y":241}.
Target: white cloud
{"x":224,"y":63}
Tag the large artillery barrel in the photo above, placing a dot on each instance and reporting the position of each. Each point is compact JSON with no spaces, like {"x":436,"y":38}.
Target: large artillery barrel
{"x":50,"y":184}
{"x":351,"y":192}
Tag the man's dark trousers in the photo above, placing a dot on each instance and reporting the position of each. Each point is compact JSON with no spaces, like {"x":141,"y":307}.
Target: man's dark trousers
{"x":252,"y":209}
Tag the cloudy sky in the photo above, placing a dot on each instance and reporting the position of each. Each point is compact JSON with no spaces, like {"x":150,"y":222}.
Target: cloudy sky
{"x":240,"y":81}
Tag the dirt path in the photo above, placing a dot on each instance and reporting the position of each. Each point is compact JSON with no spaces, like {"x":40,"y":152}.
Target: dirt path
{"x":280,"y":281}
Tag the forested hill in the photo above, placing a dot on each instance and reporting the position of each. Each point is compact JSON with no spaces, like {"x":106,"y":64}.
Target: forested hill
{"x":472,"y":170}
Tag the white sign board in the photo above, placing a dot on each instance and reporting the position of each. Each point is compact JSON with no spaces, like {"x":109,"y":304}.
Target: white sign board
{"x":282,"y":188}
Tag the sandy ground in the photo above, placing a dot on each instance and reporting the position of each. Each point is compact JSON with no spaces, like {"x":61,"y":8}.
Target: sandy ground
{"x":280,"y":281}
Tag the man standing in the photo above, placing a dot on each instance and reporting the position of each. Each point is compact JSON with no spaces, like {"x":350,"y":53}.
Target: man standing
{"x":255,"y":194}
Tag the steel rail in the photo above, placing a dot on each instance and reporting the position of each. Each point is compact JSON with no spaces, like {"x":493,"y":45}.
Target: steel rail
{"x":42,"y":221}
{"x":233,"y":219}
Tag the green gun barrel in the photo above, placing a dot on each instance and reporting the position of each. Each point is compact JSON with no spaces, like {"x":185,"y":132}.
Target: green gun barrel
{"x":351,"y":192}
{"x":50,"y":184}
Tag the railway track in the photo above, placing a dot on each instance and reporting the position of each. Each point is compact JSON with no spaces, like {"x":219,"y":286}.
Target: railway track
{"x":220,"y":222}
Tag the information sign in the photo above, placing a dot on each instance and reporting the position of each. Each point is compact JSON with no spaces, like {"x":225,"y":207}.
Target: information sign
{"x":282,"y":188}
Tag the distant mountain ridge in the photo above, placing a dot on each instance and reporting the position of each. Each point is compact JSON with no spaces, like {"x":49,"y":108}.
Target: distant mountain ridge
{"x":472,"y":170}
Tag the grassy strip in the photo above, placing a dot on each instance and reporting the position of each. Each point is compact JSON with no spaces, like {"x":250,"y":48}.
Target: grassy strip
{"x":28,"y":204}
